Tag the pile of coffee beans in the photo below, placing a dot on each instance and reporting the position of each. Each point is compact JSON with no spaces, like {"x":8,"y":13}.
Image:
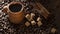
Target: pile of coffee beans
{"x":34,"y":23}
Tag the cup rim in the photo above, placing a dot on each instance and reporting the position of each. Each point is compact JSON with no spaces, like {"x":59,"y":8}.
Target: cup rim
{"x":18,"y":11}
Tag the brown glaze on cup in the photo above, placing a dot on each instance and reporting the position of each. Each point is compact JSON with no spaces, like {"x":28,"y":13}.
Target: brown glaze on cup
{"x":15,"y":17}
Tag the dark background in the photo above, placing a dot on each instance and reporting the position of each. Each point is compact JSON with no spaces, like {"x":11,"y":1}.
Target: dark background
{"x":54,"y":7}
